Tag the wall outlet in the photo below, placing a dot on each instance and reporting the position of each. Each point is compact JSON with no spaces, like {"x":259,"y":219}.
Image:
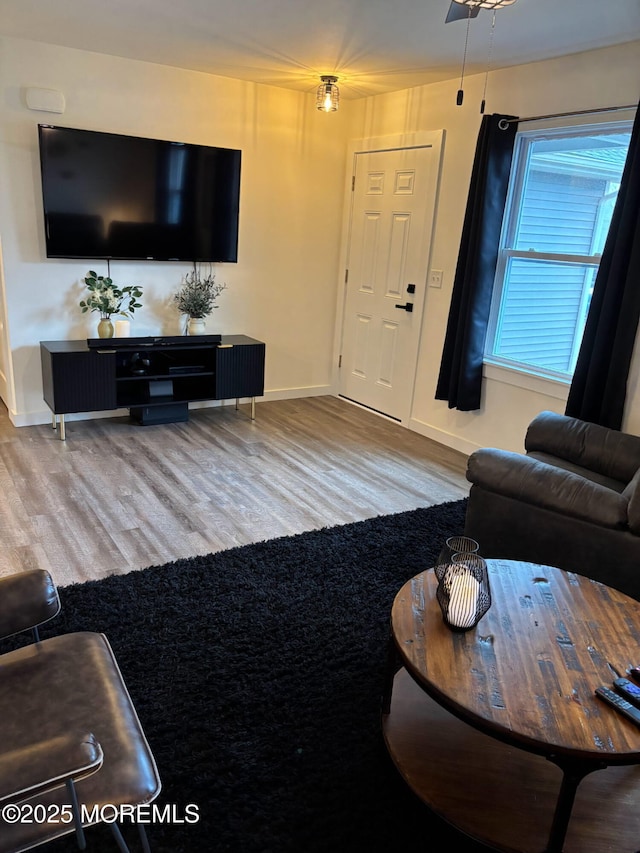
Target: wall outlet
{"x":435,"y":278}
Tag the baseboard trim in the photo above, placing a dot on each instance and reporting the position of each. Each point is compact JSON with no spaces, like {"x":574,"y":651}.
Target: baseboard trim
{"x":296,"y":393}
{"x":44,"y":417}
{"x":444,"y":437}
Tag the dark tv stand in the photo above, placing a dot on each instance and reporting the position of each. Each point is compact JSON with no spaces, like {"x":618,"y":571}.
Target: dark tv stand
{"x":155,"y":378}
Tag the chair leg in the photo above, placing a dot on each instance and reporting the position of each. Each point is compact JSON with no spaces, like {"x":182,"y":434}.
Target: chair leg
{"x":143,"y":838}
{"x":77,"y":821}
{"x":122,"y":846}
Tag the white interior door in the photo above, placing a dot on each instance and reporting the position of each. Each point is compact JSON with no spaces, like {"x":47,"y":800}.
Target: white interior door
{"x":393,"y":205}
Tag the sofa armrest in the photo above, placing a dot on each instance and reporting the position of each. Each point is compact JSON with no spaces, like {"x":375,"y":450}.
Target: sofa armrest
{"x":607,"y":451}
{"x":632,"y":494}
{"x":46,"y":765}
{"x":539,"y":484}
{"x":27,"y":599}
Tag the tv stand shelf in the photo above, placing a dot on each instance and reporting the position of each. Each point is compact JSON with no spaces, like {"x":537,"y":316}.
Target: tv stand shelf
{"x":156,"y":381}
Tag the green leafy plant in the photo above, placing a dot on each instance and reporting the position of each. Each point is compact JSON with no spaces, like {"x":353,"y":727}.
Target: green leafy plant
{"x":197,"y":296}
{"x":108,"y":299}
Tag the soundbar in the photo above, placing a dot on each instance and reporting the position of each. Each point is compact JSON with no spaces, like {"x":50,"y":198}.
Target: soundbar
{"x":153,"y":342}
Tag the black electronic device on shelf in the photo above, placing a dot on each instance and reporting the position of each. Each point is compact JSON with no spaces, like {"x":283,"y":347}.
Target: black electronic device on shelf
{"x":153,"y":342}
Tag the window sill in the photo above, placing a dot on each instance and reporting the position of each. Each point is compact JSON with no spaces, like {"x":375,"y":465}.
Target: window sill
{"x":558,"y":388}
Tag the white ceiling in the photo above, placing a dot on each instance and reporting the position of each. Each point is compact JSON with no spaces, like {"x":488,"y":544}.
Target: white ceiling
{"x":373,"y":46}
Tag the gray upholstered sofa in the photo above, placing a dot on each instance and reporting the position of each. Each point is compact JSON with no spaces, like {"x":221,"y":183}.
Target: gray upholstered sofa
{"x":572,"y":500}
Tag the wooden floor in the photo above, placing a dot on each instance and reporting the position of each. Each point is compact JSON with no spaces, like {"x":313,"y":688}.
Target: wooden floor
{"x":116,"y":497}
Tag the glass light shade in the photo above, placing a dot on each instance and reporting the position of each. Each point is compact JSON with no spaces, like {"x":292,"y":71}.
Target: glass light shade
{"x":485,"y":4}
{"x":328,"y":95}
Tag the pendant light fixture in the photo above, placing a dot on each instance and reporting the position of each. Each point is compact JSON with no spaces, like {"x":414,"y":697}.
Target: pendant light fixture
{"x":458,"y":12}
{"x":328,"y":95}
{"x":485,"y":4}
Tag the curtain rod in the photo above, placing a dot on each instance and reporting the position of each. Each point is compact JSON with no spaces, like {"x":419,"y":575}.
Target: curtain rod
{"x":504,"y":123}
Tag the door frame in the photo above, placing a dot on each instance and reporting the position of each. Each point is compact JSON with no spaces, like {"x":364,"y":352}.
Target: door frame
{"x":7,"y":386}
{"x":419,"y":139}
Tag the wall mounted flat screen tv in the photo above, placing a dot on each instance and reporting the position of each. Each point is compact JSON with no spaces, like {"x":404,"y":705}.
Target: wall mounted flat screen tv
{"x":112,"y":196}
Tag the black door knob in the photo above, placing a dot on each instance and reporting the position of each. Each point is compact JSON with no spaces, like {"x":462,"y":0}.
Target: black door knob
{"x":408,"y":306}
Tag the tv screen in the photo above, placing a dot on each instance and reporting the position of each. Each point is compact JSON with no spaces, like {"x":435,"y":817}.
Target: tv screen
{"x":111,"y":196}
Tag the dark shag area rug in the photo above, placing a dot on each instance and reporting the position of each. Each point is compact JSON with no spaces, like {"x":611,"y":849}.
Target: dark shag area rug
{"x":257,"y":674}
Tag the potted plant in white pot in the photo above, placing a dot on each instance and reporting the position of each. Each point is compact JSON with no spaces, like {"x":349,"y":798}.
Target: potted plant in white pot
{"x":108,"y":299}
{"x":196,"y":299}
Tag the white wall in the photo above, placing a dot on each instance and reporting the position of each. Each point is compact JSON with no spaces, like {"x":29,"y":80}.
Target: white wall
{"x":594,"y":79}
{"x":287,"y":284}
{"x":283,"y":288}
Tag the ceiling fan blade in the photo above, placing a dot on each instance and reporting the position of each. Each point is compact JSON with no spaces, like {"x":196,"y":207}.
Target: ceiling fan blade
{"x":458,"y":12}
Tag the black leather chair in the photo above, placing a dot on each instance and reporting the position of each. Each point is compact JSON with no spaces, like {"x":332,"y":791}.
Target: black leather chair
{"x":572,"y":500}
{"x":71,"y":741}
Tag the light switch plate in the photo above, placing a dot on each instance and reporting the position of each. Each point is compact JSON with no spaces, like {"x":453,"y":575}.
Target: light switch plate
{"x":435,"y":278}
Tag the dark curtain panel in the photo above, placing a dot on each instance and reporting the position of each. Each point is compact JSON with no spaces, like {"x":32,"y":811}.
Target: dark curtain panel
{"x":460,"y":379}
{"x":599,"y":385}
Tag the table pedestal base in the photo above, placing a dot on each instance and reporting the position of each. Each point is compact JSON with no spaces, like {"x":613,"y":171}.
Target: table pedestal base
{"x":500,"y":795}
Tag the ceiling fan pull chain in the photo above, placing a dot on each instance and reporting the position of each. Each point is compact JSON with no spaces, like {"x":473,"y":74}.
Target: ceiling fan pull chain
{"x":460,"y":96}
{"x":486,"y":73}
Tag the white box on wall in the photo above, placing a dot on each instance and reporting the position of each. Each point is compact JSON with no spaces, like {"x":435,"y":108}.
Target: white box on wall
{"x":46,"y":100}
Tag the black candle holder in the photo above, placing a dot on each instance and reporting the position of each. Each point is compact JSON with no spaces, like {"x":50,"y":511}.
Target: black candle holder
{"x":454,"y":545}
{"x":463,"y":591}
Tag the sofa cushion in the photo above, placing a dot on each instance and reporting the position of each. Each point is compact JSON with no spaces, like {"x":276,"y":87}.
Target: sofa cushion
{"x":594,"y":476}
{"x":607,"y":451}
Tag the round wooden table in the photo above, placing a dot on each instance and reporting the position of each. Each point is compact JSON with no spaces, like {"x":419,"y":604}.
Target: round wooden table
{"x":498,"y":729}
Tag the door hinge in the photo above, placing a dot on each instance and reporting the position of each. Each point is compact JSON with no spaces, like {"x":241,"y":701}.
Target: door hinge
{"x":353,"y":182}
{"x":339,"y":361}
{"x":346,"y":276}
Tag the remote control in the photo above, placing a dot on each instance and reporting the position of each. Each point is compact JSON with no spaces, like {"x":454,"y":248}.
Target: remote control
{"x":634,"y":672}
{"x":621,"y":705}
{"x":628,"y":690}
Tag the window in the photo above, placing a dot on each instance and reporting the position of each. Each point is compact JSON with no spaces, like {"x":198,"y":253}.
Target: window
{"x":564,"y":184}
